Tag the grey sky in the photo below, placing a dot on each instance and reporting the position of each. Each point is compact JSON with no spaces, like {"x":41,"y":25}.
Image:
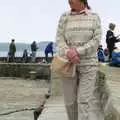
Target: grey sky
{"x":28,"y":20}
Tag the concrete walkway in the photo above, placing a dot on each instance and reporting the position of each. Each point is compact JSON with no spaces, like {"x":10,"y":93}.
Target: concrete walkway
{"x":16,"y":95}
{"x":112,"y":109}
{"x":54,"y":110}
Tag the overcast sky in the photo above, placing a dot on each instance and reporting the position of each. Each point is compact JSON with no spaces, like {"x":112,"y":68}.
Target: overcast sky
{"x":28,"y":20}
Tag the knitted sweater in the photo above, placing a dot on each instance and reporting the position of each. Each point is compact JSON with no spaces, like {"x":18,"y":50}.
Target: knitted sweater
{"x":81,"y":31}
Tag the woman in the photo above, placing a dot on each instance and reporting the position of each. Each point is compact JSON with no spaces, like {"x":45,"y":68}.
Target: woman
{"x":80,"y":30}
{"x":111,"y":40}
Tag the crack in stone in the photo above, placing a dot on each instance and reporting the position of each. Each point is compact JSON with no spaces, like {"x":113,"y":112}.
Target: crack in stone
{"x":15,"y":111}
{"x":37,"y":111}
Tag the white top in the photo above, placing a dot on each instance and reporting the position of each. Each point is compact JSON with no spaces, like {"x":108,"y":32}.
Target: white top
{"x":82,"y":31}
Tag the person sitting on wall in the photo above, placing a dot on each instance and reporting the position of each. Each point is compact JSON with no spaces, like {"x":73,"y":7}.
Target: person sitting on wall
{"x":100,"y":54}
{"x":25,"y":56}
{"x":48,"y":49}
{"x":106,"y":54}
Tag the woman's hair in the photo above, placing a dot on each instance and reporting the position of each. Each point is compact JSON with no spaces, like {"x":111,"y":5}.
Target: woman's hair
{"x":111,"y":26}
{"x":86,"y":3}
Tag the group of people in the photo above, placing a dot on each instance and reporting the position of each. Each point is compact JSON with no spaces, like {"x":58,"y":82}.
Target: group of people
{"x":111,"y":39}
{"x":25,"y":57}
{"x":48,"y":49}
{"x":77,"y":39}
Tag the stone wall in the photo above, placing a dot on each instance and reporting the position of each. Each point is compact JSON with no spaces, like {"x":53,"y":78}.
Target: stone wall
{"x":42,"y":71}
{"x":110,"y":97}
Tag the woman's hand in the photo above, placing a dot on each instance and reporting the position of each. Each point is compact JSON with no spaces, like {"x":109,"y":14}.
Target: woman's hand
{"x":73,"y":56}
{"x":75,"y":60}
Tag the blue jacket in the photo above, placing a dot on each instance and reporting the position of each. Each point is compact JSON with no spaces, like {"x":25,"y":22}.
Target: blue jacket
{"x":100,"y":54}
{"x":49,"y":48}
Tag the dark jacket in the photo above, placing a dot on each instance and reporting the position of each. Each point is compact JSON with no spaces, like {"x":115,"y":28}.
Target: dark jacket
{"x":49,"y":48}
{"x":34,"y":46}
{"x":12,"y":48}
{"x":111,"y":39}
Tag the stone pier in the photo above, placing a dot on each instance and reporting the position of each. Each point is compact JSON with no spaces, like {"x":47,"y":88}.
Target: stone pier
{"x":108,"y":83}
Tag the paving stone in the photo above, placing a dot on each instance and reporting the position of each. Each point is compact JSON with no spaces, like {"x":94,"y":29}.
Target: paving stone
{"x":16,"y":94}
{"x":54,"y":110}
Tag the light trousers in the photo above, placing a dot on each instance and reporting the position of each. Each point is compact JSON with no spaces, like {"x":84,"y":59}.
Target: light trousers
{"x":80,"y":95}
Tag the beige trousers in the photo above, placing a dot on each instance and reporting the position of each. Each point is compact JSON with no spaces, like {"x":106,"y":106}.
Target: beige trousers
{"x":80,"y":96}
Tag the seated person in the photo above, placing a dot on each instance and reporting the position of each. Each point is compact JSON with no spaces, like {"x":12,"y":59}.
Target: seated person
{"x":25,"y":56}
{"x":100,"y":54}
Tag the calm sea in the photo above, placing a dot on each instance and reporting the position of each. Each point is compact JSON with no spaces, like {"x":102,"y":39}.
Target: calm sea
{"x":20,"y":54}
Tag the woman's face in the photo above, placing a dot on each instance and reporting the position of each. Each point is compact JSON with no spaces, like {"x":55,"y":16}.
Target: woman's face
{"x":76,"y":4}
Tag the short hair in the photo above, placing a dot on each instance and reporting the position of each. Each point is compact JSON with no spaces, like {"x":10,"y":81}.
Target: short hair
{"x":112,"y":26}
{"x":13,"y":40}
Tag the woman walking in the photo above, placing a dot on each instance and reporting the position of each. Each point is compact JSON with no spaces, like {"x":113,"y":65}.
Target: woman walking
{"x":80,"y":30}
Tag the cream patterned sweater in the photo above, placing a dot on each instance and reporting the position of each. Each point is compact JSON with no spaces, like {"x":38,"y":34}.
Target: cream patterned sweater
{"x":83,"y":32}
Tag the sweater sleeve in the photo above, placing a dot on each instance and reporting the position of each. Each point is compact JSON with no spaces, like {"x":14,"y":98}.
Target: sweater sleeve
{"x":93,"y":43}
{"x":60,"y":37}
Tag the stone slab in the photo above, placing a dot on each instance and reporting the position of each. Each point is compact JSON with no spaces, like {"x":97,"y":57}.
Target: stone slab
{"x":16,"y":94}
{"x":54,"y":110}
